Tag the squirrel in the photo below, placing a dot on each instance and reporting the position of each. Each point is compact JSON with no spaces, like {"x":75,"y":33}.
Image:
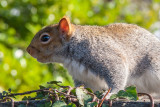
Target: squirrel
{"x":100,"y":57}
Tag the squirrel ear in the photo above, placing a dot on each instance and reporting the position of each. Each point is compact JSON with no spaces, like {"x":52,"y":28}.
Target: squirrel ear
{"x":65,"y":29}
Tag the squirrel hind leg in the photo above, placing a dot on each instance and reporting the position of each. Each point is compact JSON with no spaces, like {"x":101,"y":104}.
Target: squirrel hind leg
{"x":118,"y":82}
{"x":115,"y":84}
{"x":149,"y":83}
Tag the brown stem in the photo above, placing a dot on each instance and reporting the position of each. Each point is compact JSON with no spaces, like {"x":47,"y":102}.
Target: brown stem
{"x":63,"y":86}
{"x":69,"y":90}
{"x":66,"y":94}
{"x":93,"y":95}
{"x":57,"y":97}
{"x":110,"y":103}
{"x":28,"y":92}
{"x":104,"y":98}
{"x":150,"y":97}
{"x":9,"y":99}
{"x":74,"y":100}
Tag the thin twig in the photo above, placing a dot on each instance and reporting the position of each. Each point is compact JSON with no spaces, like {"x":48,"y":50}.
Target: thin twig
{"x":28,"y":92}
{"x":62,"y":86}
{"x":57,"y":97}
{"x":110,"y":103}
{"x":12,"y":101}
{"x":74,"y":99}
{"x":150,"y":97}
{"x":93,"y":95}
{"x":95,"y":99}
{"x":65,"y":94}
{"x":68,"y":93}
{"x":104,"y":98}
{"x":69,"y":90}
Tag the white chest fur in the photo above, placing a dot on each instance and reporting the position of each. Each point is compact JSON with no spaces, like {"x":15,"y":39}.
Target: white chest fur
{"x":81,"y":73}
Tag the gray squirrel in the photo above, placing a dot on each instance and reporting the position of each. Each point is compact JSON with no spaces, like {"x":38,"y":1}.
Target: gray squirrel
{"x":101,"y":57}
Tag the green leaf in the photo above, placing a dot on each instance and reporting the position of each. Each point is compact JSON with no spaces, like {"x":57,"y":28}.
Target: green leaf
{"x":1,"y":96}
{"x":48,"y":104}
{"x":46,"y":96}
{"x":122,"y":94}
{"x":82,"y":96}
{"x":4,"y":93}
{"x":41,"y":87}
{"x":59,"y":104}
{"x":130,"y":93}
{"x":88,"y":89}
{"x":54,"y":82}
{"x":73,"y":91}
{"x":21,"y":105}
{"x":113,"y":96}
{"x":99,"y":94}
{"x":40,"y":95}
{"x":71,"y":105}
{"x":25,"y":98}
{"x":29,"y":97}
{"x":9,"y":90}
{"x":92,"y":104}
{"x":40,"y":105}
{"x":105,"y":105}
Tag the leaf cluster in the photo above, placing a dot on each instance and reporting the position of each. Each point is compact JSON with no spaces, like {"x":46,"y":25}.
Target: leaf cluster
{"x":67,"y":96}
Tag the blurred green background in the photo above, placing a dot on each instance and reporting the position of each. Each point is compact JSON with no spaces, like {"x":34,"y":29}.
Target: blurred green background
{"x":21,"y":19}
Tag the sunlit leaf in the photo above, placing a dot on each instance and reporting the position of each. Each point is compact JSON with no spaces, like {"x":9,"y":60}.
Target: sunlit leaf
{"x":59,"y":104}
{"x":92,"y":104}
{"x":54,"y":82}
{"x":82,"y":96}
{"x":71,"y":105}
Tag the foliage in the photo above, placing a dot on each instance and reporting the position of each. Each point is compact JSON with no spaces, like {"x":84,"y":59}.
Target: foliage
{"x":130,"y":93}
{"x":66,"y":96}
{"x":21,"y":19}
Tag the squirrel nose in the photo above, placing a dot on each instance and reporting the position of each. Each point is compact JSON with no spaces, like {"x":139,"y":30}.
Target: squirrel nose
{"x":29,"y":50}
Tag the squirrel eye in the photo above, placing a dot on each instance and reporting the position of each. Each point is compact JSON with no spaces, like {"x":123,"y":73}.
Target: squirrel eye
{"x":45,"y":38}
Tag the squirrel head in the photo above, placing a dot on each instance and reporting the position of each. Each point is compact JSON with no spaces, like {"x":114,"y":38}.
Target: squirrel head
{"x":49,"y":40}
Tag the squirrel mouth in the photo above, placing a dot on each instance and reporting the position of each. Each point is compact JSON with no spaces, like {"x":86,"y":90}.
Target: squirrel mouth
{"x":41,"y":58}
{"x":34,"y":56}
